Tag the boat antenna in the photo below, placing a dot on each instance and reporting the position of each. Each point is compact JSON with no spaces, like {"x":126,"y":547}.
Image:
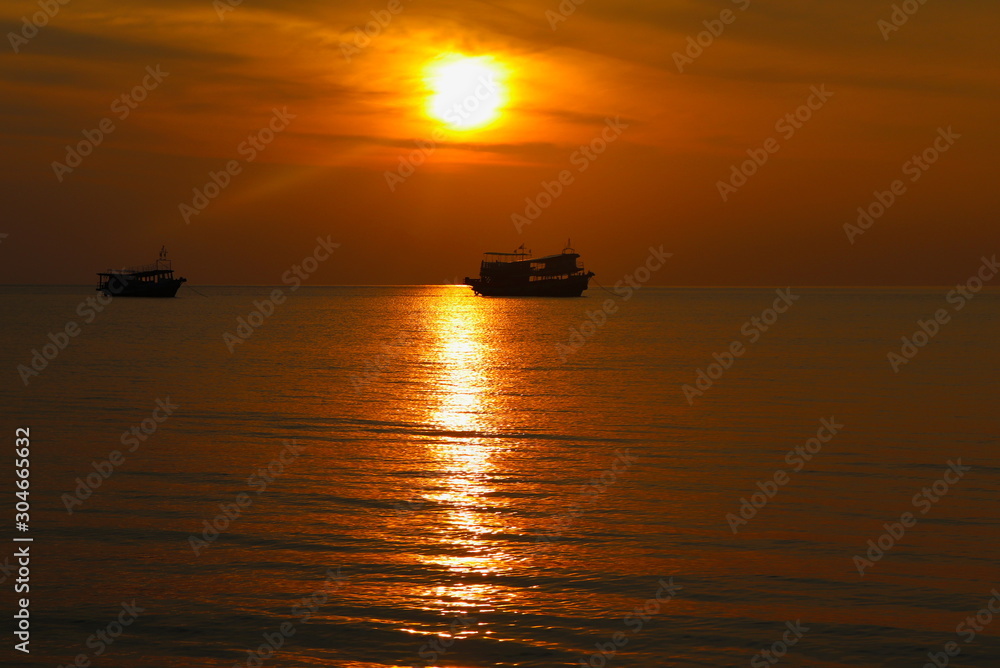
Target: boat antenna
{"x":163,"y":252}
{"x":569,"y":246}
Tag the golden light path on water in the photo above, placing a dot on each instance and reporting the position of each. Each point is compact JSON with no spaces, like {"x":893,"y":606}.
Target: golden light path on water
{"x":462,"y":410}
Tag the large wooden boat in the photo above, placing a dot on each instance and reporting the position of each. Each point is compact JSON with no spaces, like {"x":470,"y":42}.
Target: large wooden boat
{"x":518,"y":274}
{"x":151,"y":280}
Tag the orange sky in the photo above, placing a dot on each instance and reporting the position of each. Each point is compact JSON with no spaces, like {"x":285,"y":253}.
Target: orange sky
{"x":351,"y":120}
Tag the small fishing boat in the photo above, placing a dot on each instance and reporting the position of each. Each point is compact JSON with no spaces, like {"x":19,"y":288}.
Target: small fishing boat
{"x":151,"y":280}
{"x":518,"y":274}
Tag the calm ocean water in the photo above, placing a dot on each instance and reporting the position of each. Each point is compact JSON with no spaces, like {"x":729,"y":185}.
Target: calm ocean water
{"x":418,"y":477}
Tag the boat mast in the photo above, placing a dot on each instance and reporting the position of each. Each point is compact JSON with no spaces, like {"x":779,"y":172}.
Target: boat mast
{"x":163,"y":259}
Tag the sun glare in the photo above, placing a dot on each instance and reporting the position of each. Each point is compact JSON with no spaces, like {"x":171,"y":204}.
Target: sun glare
{"x":467,"y":93}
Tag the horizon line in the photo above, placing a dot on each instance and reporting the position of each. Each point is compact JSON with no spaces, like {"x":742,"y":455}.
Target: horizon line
{"x":462,"y":285}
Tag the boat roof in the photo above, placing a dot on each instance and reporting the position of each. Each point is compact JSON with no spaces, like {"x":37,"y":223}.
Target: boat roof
{"x":161,"y":266}
{"x":551,"y":257}
{"x":131,"y":272}
{"x":528,"y":258}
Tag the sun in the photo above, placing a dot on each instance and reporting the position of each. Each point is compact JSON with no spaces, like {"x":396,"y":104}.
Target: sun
{"x":467,"y":92}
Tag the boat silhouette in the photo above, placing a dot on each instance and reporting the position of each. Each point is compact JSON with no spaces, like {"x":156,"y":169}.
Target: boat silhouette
{"x":151,"y":280}
{"x":518,"y":274}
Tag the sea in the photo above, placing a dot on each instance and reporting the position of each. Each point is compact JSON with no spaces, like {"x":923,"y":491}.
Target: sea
{"x":376,"y":477}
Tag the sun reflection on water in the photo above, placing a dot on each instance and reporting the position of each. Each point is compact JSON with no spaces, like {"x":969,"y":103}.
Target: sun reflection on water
{"x":462,"y":410}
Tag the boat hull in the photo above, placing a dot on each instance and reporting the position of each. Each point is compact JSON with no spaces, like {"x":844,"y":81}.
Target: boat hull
{"x":572,"y":286}
{"x":159,"y":289}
